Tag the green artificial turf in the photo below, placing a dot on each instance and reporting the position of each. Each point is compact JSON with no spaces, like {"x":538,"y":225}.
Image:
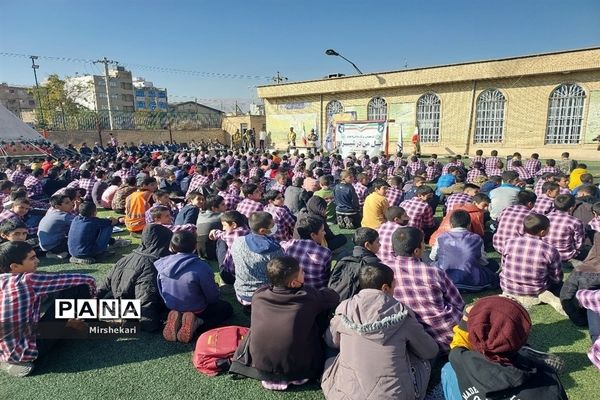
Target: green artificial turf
{"x":151,"y":368}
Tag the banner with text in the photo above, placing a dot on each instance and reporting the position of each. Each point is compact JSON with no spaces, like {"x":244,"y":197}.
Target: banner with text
{"x":359,"y":137}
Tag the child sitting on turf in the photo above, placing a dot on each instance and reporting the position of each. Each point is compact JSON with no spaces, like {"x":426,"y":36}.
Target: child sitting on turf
{"x":375,"y":205}
{"x":344,"y":277}
{"x":189,"y":213}
{"x":187,"y":286}
{"x":24,"y":293}
{"x":346,"y":201}
{"x":90,"y":236}
{"x":137,"y":204}
{"x":161,"y":198}
{"x":380,"y":340}
{"x":314,"y":258}
{"x":544,"y":204}
{"x":163,"y":216}
{"x":282,"y":216}
{"x":396,"y":218}
{"x":54,"y":227}
{"x":566,"y":233}
{"x":16,"y":211}
{"x":419,"y":211}
{"x":121,"y":194}
{"x":531,"y":270}
{"x":285,"y":346}
{"x":462,"y":255}
{"x":13,"y":230}
{"x":134,"y":276}
{"x":476,"y":209}
{"x":251,"y":254}
{"x":326,"y":182}
{"x":234,"y":225}
{"x":426,"y":289}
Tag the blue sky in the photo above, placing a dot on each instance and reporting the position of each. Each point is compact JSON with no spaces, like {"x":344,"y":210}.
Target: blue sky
{"x":262,"y":37}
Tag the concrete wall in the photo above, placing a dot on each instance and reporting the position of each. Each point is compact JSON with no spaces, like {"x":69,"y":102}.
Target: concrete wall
{"x":78,"y":137}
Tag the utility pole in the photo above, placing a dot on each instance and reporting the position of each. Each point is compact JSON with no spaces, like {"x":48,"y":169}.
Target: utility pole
{"x":278,"y":79}
{"x":34,"y":66}
{"x":106,"y":61}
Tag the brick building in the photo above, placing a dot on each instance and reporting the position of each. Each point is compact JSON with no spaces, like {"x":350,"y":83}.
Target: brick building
{"x":546,"y":103}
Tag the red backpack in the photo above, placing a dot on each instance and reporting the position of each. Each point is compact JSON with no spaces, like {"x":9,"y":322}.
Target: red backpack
{"x":215,"y":348}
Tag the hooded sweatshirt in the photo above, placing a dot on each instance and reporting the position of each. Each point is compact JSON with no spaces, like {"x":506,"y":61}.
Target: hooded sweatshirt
{"x":186,"y":283}
{"x":134,"y":276}
{"x":383,"y":349}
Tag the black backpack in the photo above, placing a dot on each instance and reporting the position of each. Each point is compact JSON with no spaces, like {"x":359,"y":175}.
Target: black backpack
{"x":344,"y":277}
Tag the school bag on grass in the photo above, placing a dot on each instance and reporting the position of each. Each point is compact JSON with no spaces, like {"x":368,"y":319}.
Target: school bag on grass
{"x":215,"y":348}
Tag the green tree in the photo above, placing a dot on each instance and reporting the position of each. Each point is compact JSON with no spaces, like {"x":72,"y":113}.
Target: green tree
{"x":56,"y":101}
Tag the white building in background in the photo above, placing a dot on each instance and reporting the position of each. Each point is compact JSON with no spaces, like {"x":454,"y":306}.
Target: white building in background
{"x":90,"y":90}
{"x":148,"y":97}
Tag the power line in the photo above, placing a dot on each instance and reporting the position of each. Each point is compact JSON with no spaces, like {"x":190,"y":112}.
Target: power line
{"x":147,"y":67}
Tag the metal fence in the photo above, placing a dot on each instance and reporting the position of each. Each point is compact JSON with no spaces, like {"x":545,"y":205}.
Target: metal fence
{"x":133,"y":120}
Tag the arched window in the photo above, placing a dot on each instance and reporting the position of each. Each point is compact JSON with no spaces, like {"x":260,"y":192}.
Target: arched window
{"x":490,"y":116}
{"x":565,"y":113}
{"x":377,"y":109}
{"x":428,"y":118}
{"x":332,"y":108}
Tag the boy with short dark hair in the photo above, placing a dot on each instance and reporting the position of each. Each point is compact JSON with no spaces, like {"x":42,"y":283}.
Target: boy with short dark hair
{"x":510,"y":221}
{"x":394,"y":194}
{"x":533,"y":165}
{"x":189,"y":213}
{"x":566,"y":233}
{"x":251,"y":254}
{"x":531,"y":267}
{"x":544,"y":204}
{"x":419,"y":211}
{"x":375,"y":205}
{"x":505,"y":195}
{"x":136,"y":205}
{"x":286,"y":345}
{"x":314,"y":258}
{"x":283,"y":217}
{"x":187,"y":286}
{"x":234,"y":225}
{"x":346,"y":200}
{"x":466,"y":196}
{"x":396,"y":218}
{"x":13,"y":230}
{"x":54,"y":227}
{"x":426,"y":289}
{"x":326,"y":192}
{"x":23,"y":293}
{"x":252,"y":200}
{"x":360,"y":186}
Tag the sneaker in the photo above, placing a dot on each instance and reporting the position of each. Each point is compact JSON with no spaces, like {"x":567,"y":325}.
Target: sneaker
{"x":189,"y":324}
{"x":172,"y":326}
{"x":120,"y":243}
{"x":547,"y":359}
{"x":17,"y":370}
{"x":57,"y":256}
{"x":77,"y":260}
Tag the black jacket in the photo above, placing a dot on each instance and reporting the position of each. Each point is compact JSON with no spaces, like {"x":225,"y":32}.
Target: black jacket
{"x":479,"y":378}
{"x":344,"y":277}
{"x":583,"y":208}
{"x":134,"y":276}
{"x":345,"y":198}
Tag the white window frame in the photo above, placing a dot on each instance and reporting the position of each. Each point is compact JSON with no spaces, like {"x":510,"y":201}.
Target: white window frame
{"x":428,"y":117}
{"x":377,"y":109}
{"x":489,"y":123}
{"x":565,"y":114}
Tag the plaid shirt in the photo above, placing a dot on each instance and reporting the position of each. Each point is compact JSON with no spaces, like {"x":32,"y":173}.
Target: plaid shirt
{"x":432,"y":172}
{"x":493,"y":171}
{"x":451,"y":164}
{"x":457,"y":199}
{"x":249,"y":206}
{"x":386,"y":251}
{"x":20,"y":298}
{"x":479,"y":159}
{"x":491,"y":164}
{"x":413,"y":167}
{"x":537,"y":189}
{"x":314,"y":259}
{"x":9,"y":214}
{"x":429,"y":292}
{"x":533,"y":166}
{"x":419,"y":213}
{"x":563,"y":190}
{"x":528,"y":266}
{"x":18,"y":177}
{"x":510,"y":225}
{"x":34,"y":186}
{"x":198,"y":181}
{"x":595,"y":224}
{"x":474,"y":173}
{"x":566,"y":234}
{"x":543,"y":205}
{"x":394,"y":196}
{"x":590,"y":299}
{"x":278,"y":186}
{"x":253,"y":172}
{"x":231,"y":200}
{"x":88,"y":185}
{"x":285,"y":220}
{"x":361,"y":192}
{"x":124,"y":174}
{"x":228,"y":238}
{"x":523,"y":173}
{"x":547,"y":169}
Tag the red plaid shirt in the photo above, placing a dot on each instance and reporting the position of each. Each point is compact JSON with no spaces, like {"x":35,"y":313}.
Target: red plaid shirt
{"x":361,"y":192}
{"x":386,"y":251}
{"x":537,"y":189}
{"x":533,"y":166}
{"x":451,"y":164}
{"x":510,"y":225}
{"x":197,"y":182}
{"x":432,"y":172}
{"x":124,"y":174}
{"x":249,"y":206}
{"x":18,"y":177}
{"x":493,"y":172}
{"x":278,"y":186}
{"x":314,"y":259}
{"x":429,"y":292}
{"x":231,"y":200}
{"x":491,"y":164}
{"x":457,"y":199}
{"x":523,"y":173}
{"x":228,"y":238}
{"x":413,"y":167}
{"x":478,"y":159}
{"x":394,"y":196}
{"x":34,"y":186}
{"x":563,"y":190}
{"x":419,"y":213}
{"x":529,"y":265}
{"x":20,"y":298}
{"x":547,"y":169}
{"x":283,"y":217}
{"x":590,"y":299}
{"x":474,"y":173}
{"x":566,"y":234}
{"x":543,"y":205}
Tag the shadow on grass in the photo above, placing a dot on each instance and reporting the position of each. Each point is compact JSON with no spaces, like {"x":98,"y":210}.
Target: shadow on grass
{"x":78,"y":271}
{"x":574,"y":361}
{"x":558,"y":333}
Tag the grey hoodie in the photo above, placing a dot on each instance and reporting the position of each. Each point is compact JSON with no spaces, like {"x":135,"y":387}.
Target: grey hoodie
{"x":383,"y":350}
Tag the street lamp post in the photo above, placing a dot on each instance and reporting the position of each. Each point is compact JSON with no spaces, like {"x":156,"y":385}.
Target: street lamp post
{"x":331,"y":52}
{"x":34,"y":66}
